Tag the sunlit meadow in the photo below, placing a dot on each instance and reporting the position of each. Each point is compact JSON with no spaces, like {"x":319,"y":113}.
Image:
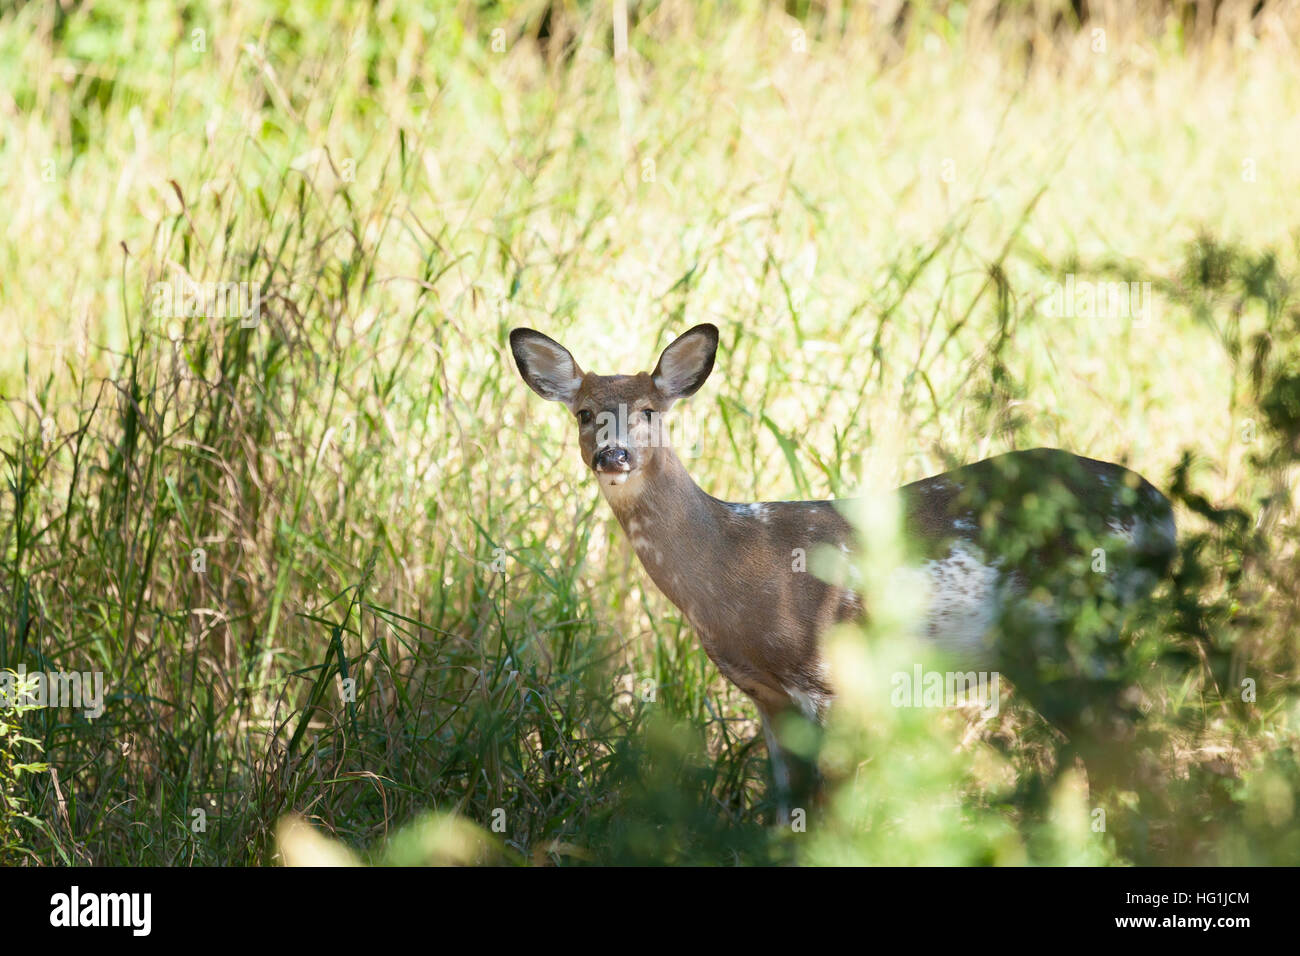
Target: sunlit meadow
{"x":337,"y":563}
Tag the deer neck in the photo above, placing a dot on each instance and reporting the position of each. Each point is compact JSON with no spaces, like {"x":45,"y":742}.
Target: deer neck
{"x":670,"y":521}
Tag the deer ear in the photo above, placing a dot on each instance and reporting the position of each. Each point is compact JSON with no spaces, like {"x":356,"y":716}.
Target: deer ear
{"x":687,"y":362}
{"x":546,"y":366}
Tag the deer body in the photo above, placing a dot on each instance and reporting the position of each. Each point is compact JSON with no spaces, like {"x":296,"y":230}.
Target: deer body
{"x":731,"y":569}
{"x":727,"y":567}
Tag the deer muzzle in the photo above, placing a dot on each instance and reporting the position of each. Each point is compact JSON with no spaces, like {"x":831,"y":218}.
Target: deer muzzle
{"x":611,"y":459}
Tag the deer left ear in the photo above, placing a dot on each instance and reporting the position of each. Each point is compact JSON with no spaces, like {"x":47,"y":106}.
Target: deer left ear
{"x":687,"y":362}
{"x":546,"y":366}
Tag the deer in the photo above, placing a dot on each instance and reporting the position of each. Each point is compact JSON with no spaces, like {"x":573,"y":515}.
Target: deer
{"x":727,"y":566}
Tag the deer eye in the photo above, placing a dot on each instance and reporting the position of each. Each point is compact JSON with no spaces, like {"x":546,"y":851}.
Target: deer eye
{"x":584,"y":417}
{"x":649,"y":414}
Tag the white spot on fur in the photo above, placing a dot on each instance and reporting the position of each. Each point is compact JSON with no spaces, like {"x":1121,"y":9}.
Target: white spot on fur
{"x":961,"y":601}
{"x":1121,"y":530}
{"x":646,"y":549}
{"x":757,"y":510}
{"x":810,"y":705}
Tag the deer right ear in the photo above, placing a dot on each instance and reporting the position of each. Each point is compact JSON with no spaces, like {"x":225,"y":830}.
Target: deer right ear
{"x":687,"y":362}
{"x":546,"y":366}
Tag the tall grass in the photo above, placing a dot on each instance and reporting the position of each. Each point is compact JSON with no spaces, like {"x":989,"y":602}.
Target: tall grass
{"x":336,"y":560}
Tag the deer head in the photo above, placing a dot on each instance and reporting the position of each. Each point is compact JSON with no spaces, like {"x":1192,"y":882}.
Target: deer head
{"x":620,"y":426}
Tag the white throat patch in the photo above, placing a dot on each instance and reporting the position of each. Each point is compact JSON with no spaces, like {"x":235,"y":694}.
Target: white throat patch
{"x":622,"y":487}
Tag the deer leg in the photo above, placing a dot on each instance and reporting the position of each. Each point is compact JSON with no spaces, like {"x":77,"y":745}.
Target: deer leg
{"x":780,"y":770}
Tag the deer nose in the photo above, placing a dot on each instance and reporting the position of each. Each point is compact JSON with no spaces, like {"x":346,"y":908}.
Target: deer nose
{"x":611,"y":458}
